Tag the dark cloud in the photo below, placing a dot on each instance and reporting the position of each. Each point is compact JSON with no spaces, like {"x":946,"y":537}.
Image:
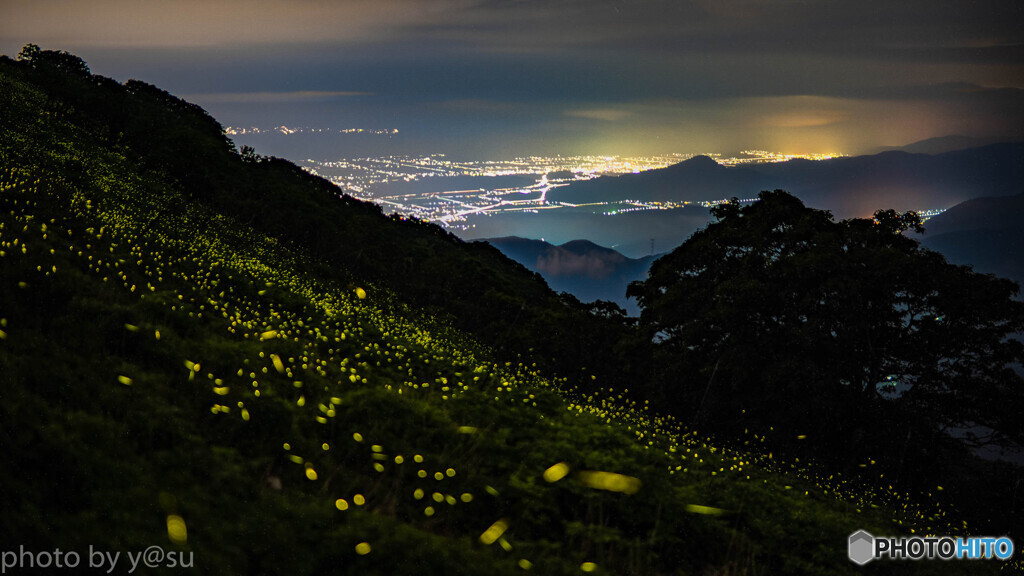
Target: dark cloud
{"x":683,"y":75}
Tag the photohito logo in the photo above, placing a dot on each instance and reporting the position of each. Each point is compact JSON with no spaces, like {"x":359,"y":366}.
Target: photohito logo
{"x":863,"y":548}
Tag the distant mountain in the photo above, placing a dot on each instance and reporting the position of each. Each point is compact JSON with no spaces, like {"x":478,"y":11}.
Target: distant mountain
{"x":580,"y":267}
{"x":849,"y":187}
{"x":699,"y":178}
{"x":940,"y":145}
{"x":986,"y":233}
{"x":630,"y":233}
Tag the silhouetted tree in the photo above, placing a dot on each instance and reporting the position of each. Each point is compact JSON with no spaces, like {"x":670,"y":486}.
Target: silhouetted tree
{"x":248,"y":154}
{"x":29,"y":53}
{"x":848,"y":333}
{"x":60,"y":60}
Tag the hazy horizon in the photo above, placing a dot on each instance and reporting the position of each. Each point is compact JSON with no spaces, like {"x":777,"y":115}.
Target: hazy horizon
{"x":490,"y":79}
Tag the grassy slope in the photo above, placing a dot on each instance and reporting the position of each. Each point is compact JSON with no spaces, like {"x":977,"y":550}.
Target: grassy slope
{"x":428,"y":267}
{"x":161,"y":362}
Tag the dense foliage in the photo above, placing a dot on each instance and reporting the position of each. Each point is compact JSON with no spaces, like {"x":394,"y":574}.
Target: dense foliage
{"x":219,"y":354}
{"x":846,"y":339}
{"x":775,"y":304}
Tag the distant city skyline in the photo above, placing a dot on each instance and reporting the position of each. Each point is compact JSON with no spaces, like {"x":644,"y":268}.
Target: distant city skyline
{"x":497,"y":79}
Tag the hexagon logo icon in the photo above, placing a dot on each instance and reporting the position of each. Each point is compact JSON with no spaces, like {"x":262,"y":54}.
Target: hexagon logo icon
{"x":861,"y":547}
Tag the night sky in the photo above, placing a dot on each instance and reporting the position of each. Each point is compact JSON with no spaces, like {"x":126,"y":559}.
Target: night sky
{"x":496,"y":78}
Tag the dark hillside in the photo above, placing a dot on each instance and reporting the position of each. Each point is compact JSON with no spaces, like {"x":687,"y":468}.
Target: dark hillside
{"x":987,"y":233}
{"x":473,"y":283}
{"x":200,"y":369}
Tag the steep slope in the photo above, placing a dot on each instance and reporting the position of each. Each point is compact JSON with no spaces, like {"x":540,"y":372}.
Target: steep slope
{"x":174,"y":376}
{"x":473,"y":284}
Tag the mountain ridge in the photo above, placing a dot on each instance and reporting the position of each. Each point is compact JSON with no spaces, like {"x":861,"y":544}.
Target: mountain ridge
{"x":848,"y":186}
{"x":941,"y":144}
{"x":582,"y":268}
{"x":984,"y":233}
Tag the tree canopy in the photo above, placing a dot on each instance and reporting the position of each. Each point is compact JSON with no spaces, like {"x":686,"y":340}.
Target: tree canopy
{"x":59,"y":60}
{"x":847,"y":334}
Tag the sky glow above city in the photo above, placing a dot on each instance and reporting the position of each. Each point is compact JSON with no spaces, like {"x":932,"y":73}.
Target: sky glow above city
{"x":504,"y":78}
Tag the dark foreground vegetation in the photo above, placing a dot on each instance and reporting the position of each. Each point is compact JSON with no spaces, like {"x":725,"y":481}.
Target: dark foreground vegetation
{"x":215,"y":352}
